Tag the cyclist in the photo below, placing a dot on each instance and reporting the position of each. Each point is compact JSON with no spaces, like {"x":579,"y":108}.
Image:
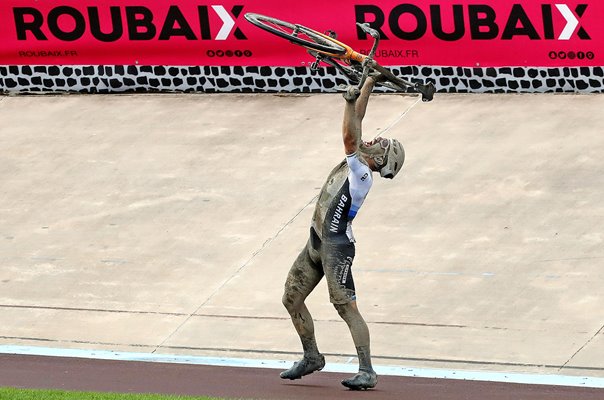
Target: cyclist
{"x":330,"y":249}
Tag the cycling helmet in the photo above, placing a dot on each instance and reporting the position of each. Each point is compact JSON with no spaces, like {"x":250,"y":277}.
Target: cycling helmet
{"x":394,"y":157}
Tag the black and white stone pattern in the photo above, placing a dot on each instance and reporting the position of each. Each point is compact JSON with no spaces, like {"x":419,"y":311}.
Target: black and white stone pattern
{"x":120,"y":78}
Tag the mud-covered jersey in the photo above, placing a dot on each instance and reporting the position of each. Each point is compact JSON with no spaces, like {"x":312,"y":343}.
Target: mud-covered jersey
{"x":341,"y":197}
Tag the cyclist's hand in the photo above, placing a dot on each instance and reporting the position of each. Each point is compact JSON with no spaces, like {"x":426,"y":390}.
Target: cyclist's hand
{"x":351,"y":94}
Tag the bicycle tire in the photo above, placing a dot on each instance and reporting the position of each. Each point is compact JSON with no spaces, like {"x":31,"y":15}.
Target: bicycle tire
{"x":310,"y":38}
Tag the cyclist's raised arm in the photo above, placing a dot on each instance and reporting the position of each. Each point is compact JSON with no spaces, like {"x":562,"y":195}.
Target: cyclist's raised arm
{"x":356,"y":105}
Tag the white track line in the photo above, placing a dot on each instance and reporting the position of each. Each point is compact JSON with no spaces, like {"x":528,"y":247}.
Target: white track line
{"x":525,"y":378}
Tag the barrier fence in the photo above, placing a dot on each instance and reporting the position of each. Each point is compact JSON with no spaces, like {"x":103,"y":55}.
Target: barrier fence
{"x":184,"y":45}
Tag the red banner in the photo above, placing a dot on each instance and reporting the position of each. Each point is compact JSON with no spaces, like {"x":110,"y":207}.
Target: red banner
{"x":197,"y":32}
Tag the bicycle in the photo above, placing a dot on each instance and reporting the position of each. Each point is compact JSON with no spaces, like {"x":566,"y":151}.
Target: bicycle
{"x":327,"y":49}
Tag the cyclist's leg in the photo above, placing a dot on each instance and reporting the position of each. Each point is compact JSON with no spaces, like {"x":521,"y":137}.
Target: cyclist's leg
{"x":303,"y":277}
{"x":366,"y":378}
{"x":338,"y":272}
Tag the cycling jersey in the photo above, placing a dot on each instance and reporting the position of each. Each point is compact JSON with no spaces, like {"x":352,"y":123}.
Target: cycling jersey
{"x":341,"y":197}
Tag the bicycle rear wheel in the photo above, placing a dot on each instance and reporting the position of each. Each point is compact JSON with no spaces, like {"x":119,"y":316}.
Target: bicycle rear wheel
{"x":298,"y":34}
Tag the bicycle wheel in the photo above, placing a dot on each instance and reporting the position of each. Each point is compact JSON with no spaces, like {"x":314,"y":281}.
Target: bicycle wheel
{"x":298,"y":34}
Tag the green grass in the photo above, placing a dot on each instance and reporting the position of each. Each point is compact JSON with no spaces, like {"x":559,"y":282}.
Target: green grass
{"x":31,"y":394}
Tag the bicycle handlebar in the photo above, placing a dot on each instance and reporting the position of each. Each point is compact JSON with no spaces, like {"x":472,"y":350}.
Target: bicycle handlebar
{"x":427,"y":90}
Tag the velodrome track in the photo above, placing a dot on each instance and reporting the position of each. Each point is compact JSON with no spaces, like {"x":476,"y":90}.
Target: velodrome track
{"x":165,"y":224}
{"x":253,"y":383}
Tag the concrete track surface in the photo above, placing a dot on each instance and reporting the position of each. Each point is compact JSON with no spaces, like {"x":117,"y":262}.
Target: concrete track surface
{"x":167,"y":224}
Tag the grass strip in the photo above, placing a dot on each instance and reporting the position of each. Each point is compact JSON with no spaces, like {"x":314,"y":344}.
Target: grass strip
{"x":7,"y":393}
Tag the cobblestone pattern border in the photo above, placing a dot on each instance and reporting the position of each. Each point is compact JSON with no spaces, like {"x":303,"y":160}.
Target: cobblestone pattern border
{"x":119,"y":78}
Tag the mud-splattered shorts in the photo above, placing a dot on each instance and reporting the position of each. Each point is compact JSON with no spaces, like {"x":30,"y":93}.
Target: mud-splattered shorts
{"x":331,"y":258}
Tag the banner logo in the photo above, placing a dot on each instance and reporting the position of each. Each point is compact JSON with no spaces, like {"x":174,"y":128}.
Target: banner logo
{"x":484,"y":22}
{"x":134,"y":22}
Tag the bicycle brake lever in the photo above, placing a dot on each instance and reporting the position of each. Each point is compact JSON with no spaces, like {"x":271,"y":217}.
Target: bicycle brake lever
{"x":368,"y":29}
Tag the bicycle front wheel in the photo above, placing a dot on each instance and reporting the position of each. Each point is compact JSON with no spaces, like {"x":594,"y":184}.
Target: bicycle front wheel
{"x":298,"y":34}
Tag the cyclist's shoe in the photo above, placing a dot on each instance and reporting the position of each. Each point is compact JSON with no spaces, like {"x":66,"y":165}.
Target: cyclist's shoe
{"x":352,"y":93}
{"x":362,"y":381}
{"x":304,"y":367}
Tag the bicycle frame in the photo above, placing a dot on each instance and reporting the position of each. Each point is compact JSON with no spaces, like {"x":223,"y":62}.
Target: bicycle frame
{"x":326,"y":48}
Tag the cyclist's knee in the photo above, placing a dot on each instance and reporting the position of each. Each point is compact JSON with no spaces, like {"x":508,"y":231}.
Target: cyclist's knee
{"x":346,"y":310}
{"x":292,"y":301}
